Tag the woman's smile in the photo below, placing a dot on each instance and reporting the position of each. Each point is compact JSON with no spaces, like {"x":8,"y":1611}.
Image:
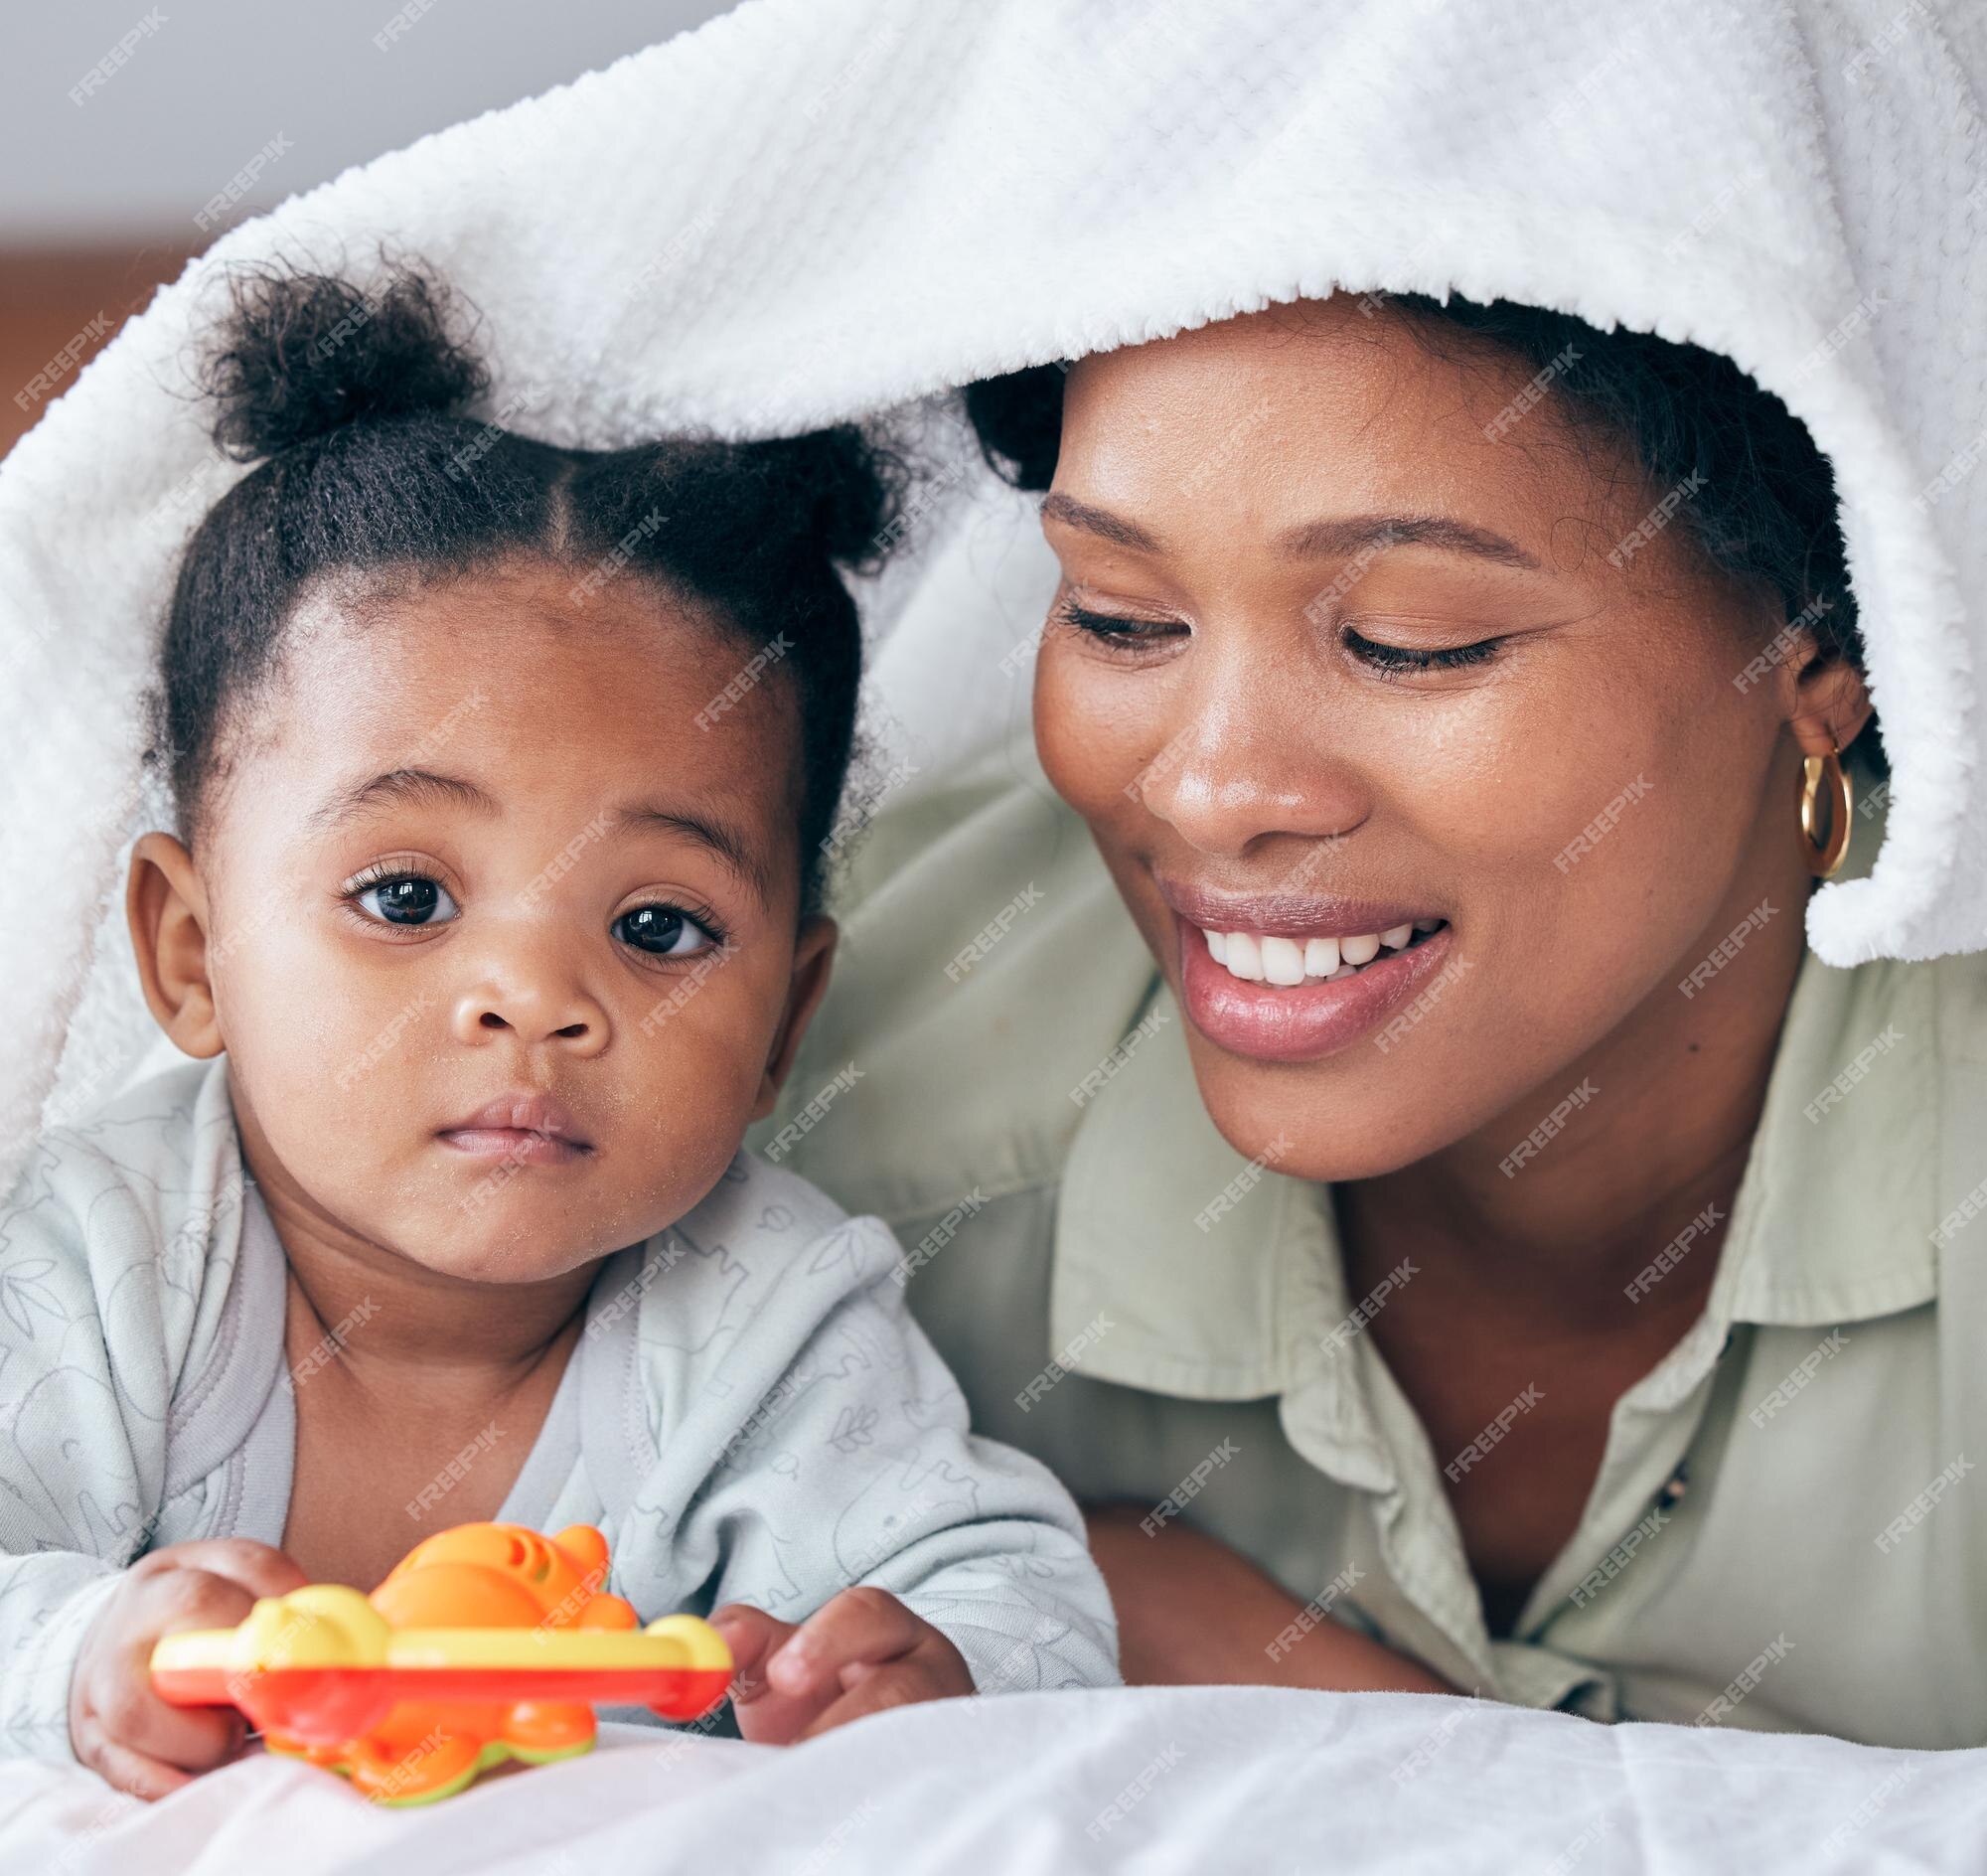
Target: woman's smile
{"x":1259,"y":995}
{"x":1288,"y":976}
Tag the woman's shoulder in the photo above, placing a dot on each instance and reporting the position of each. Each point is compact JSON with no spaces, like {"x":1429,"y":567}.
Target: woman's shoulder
{"x":1931,"y":1012}
{"x":985,"y":965}
{"x":1957,"y":999}
{"x":1868,"y":1139}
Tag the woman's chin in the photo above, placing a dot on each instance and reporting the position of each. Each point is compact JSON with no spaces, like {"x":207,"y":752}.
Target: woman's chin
{"x":1267,"y":1121}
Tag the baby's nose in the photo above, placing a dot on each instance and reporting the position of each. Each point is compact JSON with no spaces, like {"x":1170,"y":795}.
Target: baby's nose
{"x":570,"y":1018}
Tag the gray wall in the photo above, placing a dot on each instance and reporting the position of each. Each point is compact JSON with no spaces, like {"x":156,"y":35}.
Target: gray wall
{"x":206,"y":88}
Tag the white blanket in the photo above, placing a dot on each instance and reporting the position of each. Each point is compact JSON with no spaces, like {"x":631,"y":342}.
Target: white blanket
{"x":810,"y":208}
{"x":1200,"y":1781}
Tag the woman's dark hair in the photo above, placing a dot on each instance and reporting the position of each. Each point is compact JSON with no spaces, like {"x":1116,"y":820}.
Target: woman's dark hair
{"x":1765,"y":508}
{"x":351,"y":402}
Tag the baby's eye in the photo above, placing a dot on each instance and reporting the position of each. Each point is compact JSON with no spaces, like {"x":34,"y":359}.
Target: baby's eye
{"x":662,"y":931}
{"x":408,"y":899}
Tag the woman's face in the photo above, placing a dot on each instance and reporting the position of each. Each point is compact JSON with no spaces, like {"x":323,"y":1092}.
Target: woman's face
{"x":1366,"y":661}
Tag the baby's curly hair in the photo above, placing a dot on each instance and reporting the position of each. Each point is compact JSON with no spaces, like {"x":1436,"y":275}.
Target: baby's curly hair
{"x":352,"y":405}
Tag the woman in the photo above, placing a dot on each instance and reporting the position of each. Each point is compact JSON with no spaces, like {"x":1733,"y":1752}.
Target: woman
{"x":1453,"y":1234}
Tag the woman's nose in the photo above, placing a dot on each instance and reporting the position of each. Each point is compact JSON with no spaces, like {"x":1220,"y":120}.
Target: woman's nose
{"x":1247,"y":759}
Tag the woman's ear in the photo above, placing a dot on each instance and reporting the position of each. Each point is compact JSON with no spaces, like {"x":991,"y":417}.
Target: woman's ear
{"x":1830,"y":701}
{"x":814,"y":954}
{"x":166,"y":907}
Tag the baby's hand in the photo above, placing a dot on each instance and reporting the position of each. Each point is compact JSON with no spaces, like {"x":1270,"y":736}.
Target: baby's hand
{"x":119,"y":1726}
{"x":858,"y":1653}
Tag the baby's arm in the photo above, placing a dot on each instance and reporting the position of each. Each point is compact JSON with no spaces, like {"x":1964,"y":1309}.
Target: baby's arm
{"x":95,"y":1318}
{"x":853,"y":1465}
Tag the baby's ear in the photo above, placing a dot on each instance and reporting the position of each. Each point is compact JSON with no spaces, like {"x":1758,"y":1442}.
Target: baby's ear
{"x":813,"y":955}
{"x":166,"y":907}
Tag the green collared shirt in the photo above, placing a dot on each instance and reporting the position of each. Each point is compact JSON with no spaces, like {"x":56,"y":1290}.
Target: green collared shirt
{"x":1785,"y":1530}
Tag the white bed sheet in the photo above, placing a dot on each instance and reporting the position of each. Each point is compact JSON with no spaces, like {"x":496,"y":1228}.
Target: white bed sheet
{"x":1202,"y":1779}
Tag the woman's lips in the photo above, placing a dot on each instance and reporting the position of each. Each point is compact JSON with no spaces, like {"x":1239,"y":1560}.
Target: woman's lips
{"x":1285,"y":911}
{"x":1299,"y":1021}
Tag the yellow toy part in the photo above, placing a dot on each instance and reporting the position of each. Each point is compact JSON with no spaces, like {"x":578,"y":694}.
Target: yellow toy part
{"x":485,"y":1642}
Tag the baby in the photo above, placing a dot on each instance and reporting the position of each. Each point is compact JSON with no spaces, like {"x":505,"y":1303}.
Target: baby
{"x":503,"y":776}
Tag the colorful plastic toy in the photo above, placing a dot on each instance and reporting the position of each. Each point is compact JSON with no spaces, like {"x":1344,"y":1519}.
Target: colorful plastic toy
{"x":485,"y":1642}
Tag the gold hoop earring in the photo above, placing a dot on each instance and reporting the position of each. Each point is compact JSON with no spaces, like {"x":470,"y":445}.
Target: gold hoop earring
{"x":1823,"y":859}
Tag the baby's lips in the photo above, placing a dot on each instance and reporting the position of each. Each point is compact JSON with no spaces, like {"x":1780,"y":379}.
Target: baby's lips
{"x":524,"y":1110}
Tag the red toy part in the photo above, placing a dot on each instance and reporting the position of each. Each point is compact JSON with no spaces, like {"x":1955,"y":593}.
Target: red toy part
{"x":485,"y":1642}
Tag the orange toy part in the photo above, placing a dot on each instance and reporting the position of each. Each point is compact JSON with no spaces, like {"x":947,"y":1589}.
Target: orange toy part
{"x":485,"y":1642}
{"x":502,"y":1576}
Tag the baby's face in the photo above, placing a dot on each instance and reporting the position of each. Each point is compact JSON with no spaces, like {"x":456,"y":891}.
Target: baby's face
{"x":482,"y":844}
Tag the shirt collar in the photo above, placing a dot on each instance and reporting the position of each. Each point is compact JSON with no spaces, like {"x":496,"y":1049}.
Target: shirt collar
{"x":1835,"y":1211}
{"x":1182,"y":1266}
{"x":1168,"y":1234}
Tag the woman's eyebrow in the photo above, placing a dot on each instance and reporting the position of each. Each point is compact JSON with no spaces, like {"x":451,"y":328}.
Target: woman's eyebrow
{"x":1057,"y":506}
{"x":1352,"y":533}
{"x":1355,"y":534}
{"x":413,"y":786}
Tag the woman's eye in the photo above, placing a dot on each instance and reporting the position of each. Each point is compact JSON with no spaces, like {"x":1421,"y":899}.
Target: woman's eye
{"x":1392,"y":660}
{"x":661,"y":932}
{"x":406,"y":899}
{"x":1117,"y":628}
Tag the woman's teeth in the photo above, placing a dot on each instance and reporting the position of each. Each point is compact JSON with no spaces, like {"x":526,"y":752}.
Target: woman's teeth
{"x":1256,"y":959}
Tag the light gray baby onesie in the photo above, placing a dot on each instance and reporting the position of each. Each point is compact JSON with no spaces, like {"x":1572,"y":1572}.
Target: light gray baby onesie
{"x":750,"y":1414}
